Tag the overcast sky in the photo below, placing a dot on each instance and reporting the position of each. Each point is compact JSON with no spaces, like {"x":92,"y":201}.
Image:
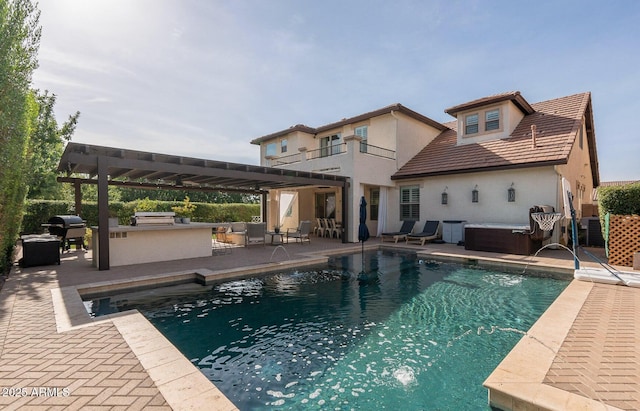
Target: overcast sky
{"x":202,"y":78}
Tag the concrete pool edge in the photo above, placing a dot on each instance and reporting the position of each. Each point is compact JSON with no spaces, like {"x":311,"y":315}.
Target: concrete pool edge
{"x":518,"y":381}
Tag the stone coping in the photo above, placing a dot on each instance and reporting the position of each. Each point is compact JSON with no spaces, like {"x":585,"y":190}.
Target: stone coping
{"x":517,"y":382}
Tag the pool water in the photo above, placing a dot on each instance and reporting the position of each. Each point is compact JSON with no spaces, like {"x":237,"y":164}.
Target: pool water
{"x":387,"y":331}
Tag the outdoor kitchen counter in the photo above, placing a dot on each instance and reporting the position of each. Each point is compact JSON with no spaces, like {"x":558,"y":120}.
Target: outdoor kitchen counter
{"x":152,"y":243}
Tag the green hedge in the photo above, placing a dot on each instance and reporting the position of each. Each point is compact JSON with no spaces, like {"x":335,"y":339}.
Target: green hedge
{"x":620,"y":200}
{"x":39,"y":211}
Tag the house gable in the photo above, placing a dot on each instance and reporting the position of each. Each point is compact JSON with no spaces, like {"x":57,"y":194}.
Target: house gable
{"x":383,"y":130}
{"x":489,"y":118}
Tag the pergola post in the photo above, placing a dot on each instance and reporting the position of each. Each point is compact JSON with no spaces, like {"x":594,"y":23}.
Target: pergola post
{"x":78,"y":196}
{"x":103,"y":214}
{"x":263,"y":206}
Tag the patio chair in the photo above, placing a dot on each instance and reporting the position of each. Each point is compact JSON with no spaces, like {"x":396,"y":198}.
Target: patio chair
{"x":407,"y":228}
{"x":334,"y":229}
{"x":431,"y":231}
{"x":325,"y":227}
{"x":301,"y":233}
{"x":255,"y":234}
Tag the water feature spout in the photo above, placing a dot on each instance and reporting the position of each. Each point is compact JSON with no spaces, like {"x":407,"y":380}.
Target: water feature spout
{"x":283,"y":249}
{"x":575,"y":257}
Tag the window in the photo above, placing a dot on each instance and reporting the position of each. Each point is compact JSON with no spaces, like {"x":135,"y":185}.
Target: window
{"x":362,"y":133}
{"x":325,"y":205}
{"x":580,"y":141}
{"x":283,"y":146}
{"x":410,"y":203}
{"x":492,"y":120}
{"x":471,"y":124}
{"x":330,"y":145}
{"x":374,"y":199}
{"x":271,"y":149}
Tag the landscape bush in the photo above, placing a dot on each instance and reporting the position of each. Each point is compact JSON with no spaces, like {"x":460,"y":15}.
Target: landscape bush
{"x":39,"y":211}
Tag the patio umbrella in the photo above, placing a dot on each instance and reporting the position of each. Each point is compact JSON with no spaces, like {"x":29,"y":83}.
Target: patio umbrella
{"x":363,"y":231}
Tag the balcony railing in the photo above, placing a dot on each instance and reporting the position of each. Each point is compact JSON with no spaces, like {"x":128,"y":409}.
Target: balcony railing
{"x":327,"y":151}
{"x":377,"y":151}
{"x":333,"y":150}
{"x":290,"y":159}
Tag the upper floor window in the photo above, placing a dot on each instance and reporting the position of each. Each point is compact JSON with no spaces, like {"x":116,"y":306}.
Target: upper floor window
{"x":330,"y":145}
{"x":283,"y":146}
{"x":492,"y":120}
{"x":271,"y":149}
{"x":362,"y":133}
{"x":471,"y":124}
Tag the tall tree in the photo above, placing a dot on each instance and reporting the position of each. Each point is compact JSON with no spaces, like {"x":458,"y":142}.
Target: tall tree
{"x":30,"y":141}
{"x":19,"y":42}
{"x":47,"y":144}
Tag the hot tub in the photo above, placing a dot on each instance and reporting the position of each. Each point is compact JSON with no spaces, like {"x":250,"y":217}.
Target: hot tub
{"x":500,"y":238}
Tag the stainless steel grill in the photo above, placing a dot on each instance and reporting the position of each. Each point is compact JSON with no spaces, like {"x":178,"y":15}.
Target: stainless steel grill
{"x":153,"y":218}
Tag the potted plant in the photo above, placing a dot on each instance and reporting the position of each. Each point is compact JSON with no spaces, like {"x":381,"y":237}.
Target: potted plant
{"x":185,"y":211}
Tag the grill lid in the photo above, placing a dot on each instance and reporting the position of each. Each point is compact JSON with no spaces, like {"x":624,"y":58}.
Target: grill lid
{"x":67,"y":221}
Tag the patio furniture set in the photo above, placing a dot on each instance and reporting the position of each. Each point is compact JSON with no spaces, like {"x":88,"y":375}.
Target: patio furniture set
{"x":430,"y":231}
{"x":248,"y":234}
{"x":327,"y":227}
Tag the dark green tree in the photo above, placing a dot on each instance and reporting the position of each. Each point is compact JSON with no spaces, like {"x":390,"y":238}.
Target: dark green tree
{"x":47,"y":144}
{"x":19,"y":42}
{"x":27,"y":126}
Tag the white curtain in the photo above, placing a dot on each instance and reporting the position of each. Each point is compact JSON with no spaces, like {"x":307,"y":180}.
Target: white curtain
{"x":382,"y":211}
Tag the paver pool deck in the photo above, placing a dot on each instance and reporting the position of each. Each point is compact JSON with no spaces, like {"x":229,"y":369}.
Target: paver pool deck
{"x":583,"y":353}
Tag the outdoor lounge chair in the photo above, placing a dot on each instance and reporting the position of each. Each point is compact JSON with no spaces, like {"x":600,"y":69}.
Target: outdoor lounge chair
{"x":407,"y":227}
{"x":429,"y":232}
{"x":301,"y":233}
{"x":255,"y":234}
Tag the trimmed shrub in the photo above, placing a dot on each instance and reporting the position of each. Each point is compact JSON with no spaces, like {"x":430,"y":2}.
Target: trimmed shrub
{"x":39,"y":211}
{"x":620,"y":200}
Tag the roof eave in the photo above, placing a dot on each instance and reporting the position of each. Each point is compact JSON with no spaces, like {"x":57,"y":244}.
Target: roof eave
{"x":382,"y":111}
{"x":516,"y":98}
{"x":481,"y":169}
{"x":591,"y":140}
{"x":292,"y":129}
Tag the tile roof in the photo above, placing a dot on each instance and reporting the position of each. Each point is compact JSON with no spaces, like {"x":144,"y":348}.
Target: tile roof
{"x":361,"y":117}
{"x":557,"y":122}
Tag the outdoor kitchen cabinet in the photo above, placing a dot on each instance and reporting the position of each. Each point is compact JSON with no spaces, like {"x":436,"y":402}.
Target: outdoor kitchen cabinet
{"x":153,"y":243}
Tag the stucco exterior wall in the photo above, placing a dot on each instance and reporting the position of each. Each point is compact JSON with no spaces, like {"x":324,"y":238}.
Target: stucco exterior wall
{"x":413,"y":136}
{"x":534,"y":186}
{"x":579,"y":173}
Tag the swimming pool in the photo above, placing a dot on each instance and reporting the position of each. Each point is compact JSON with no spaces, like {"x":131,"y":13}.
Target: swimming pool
{"x":408,"y":334}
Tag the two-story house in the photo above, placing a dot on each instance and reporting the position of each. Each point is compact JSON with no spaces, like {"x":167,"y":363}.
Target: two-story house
{"x":499,"y":157}
{"x":368,"y":148}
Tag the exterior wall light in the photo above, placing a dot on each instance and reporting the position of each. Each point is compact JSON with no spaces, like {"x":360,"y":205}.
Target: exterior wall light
{"x":474,"y":194}
{"x":511,"y":194}
{"x":445,"y":196}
